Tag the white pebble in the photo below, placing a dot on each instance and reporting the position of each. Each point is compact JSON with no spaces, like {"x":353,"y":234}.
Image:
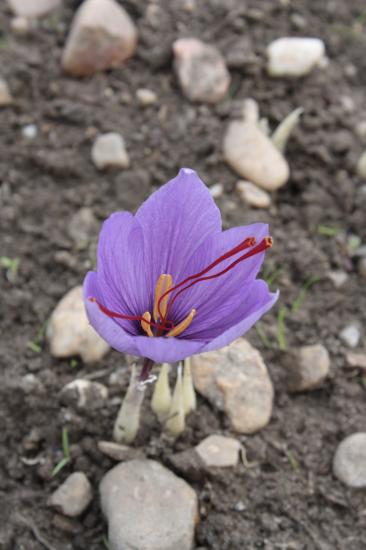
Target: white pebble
{"x":350,"y":335}
{"x":30,"y":131}
{"x":109,"y":151}
{"x":146,"y":97}
{"x":253,"y":195}
{"x":294,"y":57}
{"x":219,"y":451}
{"x":349,"y":464}
{"x":216,"y":190}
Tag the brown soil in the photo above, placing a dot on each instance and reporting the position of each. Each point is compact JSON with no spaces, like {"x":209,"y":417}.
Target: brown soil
{"x":288,"y":499}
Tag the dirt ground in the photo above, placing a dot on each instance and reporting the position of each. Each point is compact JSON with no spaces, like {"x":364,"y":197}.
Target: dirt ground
{"x":289,"y":499}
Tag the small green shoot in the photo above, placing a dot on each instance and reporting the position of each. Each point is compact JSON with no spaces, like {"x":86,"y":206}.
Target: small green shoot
{"x":105,"y":542}
{"x":292,"y":460}
{"x":353,"y":243}
{"x":36,"y":344}
{"x":66,"y":450}
{"x":271,"y":275}
{"x":328,"y":231}
{"x":74,"y":363}
{"x":262,"y":336}
{"x":12,"y":266}
{"x":281,"y":328}
{"x":33,"y":346}
{"x":299,"y":300}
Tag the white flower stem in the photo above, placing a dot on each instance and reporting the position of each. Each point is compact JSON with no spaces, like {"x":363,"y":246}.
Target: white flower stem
{"x":175,"y":423}
{"x":128,"y":419}
{"x":162,"y":397}
{"x":189,"y":394}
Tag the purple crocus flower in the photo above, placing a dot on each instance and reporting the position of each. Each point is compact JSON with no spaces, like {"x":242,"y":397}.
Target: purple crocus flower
{"x":169,"y":282}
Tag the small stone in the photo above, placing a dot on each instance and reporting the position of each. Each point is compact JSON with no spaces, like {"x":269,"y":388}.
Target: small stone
{"x":109,"y":151}
{"x":5,"y":95}
{"x":253,"y":195}
{"x":30,"y":131}
{"x":69,"y":332}
{"x":357,"y":360}
{"x":235,"y":380}
{"x":201,"y":70}
{"x":31,"y":384}
{"x":73,"y":496}
{"x":216,"y":190}
{"x":350,"y":335}
{"x":83,"y":227}
{"x":349,"y":464}
{"x":251,"y":154}
{"x":102,"y":36}
{"x":20,"y":26}
{"x":338,"y":278}
{"x":307,"y":367}
{"x":85,"y":394}
{"x":361,"y":166}
{"x":33,"y":8}
{"x":294,"y":57}
{"x":189,"y":464}
{"x":362,"y":267}
{"x":119,"y":452}
{"x":148,"y":507}
{"x":219,"y":451}
{"x":146,"y":97}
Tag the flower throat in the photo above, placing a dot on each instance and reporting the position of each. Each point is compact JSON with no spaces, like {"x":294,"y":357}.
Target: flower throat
{"x":166,"y":293}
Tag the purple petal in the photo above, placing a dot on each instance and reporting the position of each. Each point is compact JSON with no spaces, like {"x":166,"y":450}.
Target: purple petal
{"x":175,"y":221}
{"x":122,"y":272}
{"x":263,"y":301}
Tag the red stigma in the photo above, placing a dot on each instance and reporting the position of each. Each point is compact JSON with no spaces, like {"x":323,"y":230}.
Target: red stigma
{"x":197,"y":277}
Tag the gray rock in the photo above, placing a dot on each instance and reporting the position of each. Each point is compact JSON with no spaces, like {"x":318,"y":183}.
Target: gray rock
{"x":73,"y":496}
{"x":356,"y":360}
{"x":189,"y":464}
{"x":349,"y":464}
{"x":102,"y":36}
{"x":350,"y":335}
{"x":253,"y":195}
{"x":109,"y":151}
{"x":69,"y":332}
{"x":235,"y":380}
{"x":201,"y":70}
{"x":84,"y":394}
{"x":83,"y":227}
{"x":219,"y":451}
{"x":294,"y":57}
{"x":119,"y":452}
{"x":33,"y":8}
{"x":307,"y":367}
{"x":5,"y":95}
{"x":148,"y":507}
{"x":251,"y":154}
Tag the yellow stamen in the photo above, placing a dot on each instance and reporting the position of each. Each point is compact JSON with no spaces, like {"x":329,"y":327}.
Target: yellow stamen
{"x":145,"y":325}
{"x":164,"y":283}
{"x":183,"y":325}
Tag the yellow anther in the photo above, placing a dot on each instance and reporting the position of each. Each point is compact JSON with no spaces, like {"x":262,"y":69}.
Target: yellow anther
{"x":164,"y":283}
{"x":183,"y":325}
{"x":145,"y":325}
